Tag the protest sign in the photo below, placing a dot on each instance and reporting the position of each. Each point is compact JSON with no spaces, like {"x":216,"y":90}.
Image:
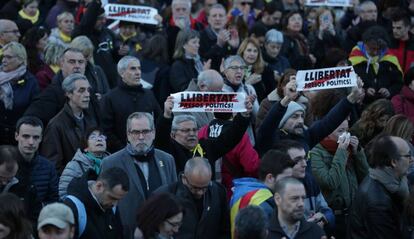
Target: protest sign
{"x":193,"y":101}
{"x":326,"y":78}
{"x":330,"y":3}
{"x":131,"y":13}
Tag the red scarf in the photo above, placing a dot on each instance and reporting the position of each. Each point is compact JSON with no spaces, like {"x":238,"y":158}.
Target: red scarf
{"x":331,"y":146}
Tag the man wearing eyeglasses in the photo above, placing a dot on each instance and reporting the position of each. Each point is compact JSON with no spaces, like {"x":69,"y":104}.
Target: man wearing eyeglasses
{"x":206,"y":210}
{"x":9,"y":32}
{"x":379,"y":202}
{"x":147,"y":167}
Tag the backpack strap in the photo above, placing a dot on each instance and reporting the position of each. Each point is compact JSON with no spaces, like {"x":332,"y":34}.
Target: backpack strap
{"x":82,"y":217}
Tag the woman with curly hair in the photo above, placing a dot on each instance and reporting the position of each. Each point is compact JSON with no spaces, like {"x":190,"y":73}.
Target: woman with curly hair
{"x":160,"y":217}
{"x":13,"y":222}
{"x":372,"y":121}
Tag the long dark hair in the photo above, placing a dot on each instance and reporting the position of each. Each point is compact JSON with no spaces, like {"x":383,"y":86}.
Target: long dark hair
{"x":29,"y":41}
{"x":12,"y":215}
{"x":156,"y":210}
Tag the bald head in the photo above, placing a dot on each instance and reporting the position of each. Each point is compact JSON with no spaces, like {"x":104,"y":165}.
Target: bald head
{"x":9,"y":32}
{"x":197,"y":176}
{"x":197,"y":166}
{"x":210,"y":80}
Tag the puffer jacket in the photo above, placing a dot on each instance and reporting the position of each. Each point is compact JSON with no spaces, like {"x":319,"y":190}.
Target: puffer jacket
{"x":74,"y":169}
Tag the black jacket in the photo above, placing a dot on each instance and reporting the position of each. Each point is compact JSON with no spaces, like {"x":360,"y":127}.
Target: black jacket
{"x":213,"y":148}
{"x":181,"y":73}
{"x":100,"y":224}
{"x":307,"y":230}
{"x":375,"y":213}
{"x":118,"y":104}
{"x":214,"y":221}
{"x":210,"y":50}
{"x":105,"y":54}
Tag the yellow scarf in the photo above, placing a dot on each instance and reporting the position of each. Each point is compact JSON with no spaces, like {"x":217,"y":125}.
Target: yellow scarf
{"x":198,"y":150}
{"x":65,"y":38}
{"x":33,"y":19}
{"x":125,"y":38}
{"x":54,"y":68}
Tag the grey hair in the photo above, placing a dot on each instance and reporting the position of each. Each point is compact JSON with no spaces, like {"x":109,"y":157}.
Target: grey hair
{"x":207,"y":77}
{"x":68,"y":84}
{"x":232,"y":58}
{"x":71,"y":49}
{"x":197,"y":164}
{"x":251,"y":222}
{"x":84,"y":44}
{"x":181,"y":1}
{"x":274,"y":36}
{"x":365,"y":4}
{"x":179,"y":119}
{"x":218,"y":6}
{"x":61,"y":16}
{"x":18,"y":49}
{"x":182,"y":38}
{"x":140,"y":115}
{"x":124,"y":62}
{"x":53,"y":52}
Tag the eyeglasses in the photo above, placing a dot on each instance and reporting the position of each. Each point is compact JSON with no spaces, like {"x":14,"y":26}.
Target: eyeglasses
{"x":143,"y":132}
{"x":195,"y":188}
{"x":12,"y":31}
{"x":235,"y":68}
{"x":187,"y":131}
{"x":8,"y":57}
{"x":97,"y":137}
{"x":174,"y":224}
{"x":246,"y":3}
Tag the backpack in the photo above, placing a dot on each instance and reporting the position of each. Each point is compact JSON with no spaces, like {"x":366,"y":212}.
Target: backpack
{"x":82,"y":216}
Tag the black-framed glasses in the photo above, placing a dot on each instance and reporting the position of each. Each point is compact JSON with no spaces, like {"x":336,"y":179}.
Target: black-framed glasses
{"x":235,"y":68}
{"x":174,"y":224}
{"x":143,"y":132}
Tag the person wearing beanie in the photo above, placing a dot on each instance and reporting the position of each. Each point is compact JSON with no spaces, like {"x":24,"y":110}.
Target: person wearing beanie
{"x":56,"y":219}
{"x":285,"y":120}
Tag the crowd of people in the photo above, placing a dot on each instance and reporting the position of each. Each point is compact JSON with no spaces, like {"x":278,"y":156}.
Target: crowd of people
{"x":90,"y":146}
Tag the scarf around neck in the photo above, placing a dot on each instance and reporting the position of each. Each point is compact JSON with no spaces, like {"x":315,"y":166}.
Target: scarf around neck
{"x":140,"y":156}
{"x":331,"y":146}
{"x":96,"y":162}
{"x":33,"y":19}
{"x":6,"y":90}
{"x":387,"y":178}
{"x":197,"y":62}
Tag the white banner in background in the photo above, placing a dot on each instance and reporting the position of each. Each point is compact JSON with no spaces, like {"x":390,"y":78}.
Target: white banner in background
{"x":326,"y":78}
{"x":331,"y":3}
{"x":193,"y":101}
{"x":131,"y":13}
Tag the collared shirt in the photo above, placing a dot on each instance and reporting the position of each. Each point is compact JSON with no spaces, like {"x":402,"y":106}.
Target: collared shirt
{"x":291,"y":234}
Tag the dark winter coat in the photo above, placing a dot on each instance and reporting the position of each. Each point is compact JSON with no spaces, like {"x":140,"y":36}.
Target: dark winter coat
{"x":100,"y":224}
{"x":118,"y":104}
{"x":214,"y":221}
{"x":62,"y":136}
{"x":181,"y":73}
{"x":25,"y":89}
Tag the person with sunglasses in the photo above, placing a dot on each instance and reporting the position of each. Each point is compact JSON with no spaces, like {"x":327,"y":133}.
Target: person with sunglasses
{"x":204,"y":200}
{"x":166,"y":214}
{"x":87,"y":158}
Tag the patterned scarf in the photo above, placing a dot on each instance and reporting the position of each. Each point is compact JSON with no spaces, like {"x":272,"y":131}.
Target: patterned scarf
{"x":6,"y":90}
{"x":96,"y":162}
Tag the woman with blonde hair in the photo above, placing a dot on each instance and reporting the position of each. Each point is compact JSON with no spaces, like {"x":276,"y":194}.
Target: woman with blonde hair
{"x":62,"y":33}
{"x":257,"y":74}
{"x":18,"y":87}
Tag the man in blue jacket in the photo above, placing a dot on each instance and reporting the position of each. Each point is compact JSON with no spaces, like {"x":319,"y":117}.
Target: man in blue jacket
{"x":35,"y":171}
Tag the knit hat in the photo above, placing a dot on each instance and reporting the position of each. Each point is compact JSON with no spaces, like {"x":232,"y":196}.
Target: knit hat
{"x":291,"y":109}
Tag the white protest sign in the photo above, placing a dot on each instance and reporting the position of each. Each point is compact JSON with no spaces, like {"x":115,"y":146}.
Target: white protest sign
{"x":131,"y":13}
{"x":331,"y":3}
{"x":326,"y":78}
{"x":193,"y":101}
